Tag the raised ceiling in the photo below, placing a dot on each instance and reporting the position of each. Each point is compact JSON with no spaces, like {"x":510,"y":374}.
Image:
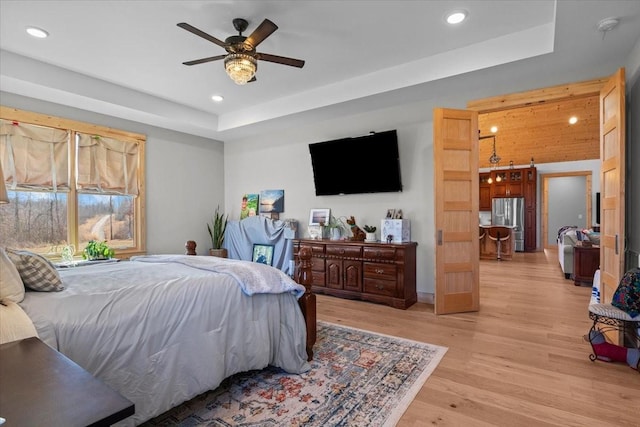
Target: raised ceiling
{"x":542,"y":131}
{"x":124,"y":59}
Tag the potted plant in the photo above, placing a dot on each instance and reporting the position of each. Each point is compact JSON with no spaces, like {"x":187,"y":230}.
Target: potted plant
{"x":216,"y":232}
{"x":371,"y":233}
{"x":336,"y":227}
{"x":97,"y":250}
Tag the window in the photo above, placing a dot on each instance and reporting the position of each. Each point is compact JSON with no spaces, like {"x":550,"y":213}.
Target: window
{"x":70,"y":182}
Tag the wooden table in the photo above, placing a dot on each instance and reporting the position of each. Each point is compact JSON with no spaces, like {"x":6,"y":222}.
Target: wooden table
{"x":40,"y":386}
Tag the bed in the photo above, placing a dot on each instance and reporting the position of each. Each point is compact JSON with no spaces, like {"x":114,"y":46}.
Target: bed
{"x":162,"y":329}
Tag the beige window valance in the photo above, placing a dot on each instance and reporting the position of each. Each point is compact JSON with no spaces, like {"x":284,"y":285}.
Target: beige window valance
{"x":34,"y":157}
{"x":37,"y":158}
{"x":107,"y":165}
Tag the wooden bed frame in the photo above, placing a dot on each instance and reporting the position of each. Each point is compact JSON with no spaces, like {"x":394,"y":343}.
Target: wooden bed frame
{"x":307,"y":301}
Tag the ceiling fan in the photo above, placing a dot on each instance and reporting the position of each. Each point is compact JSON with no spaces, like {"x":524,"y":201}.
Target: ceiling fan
{"x":241,"y":60}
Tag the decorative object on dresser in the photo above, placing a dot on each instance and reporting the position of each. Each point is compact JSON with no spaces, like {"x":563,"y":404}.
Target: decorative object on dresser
{"x":357,"y":234}
{"x":216,"y":232}
{"x":370,"y":231}
{"x":395,"y":230}
{"x":376,"y":272}
{"x":336,"y":227}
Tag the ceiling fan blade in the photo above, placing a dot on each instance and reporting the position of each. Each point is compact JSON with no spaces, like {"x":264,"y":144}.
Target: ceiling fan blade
{"x":203,"y":60}
{"x":264,"y":30}
{"x":281,"y":60}
{"x":201,"y":33}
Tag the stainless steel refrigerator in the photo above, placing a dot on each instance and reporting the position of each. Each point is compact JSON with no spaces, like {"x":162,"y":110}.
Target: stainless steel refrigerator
{"x":510,"y":212}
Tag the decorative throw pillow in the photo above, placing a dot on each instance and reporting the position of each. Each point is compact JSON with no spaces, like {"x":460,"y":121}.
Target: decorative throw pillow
{"x":37,"y":273}
{"x":11,"y":287}
{"x":16,"y":324}
{"x":627,"y":295}
{"x":594,"y":238}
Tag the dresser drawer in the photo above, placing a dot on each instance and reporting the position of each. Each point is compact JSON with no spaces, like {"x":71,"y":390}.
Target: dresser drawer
{"x":343,"y":251}
{"x":380,"y":287}
{"x":379,"y":253}
{"x":316,"y":249}
{"x":374,"y":270}
{"x":317,"y":264}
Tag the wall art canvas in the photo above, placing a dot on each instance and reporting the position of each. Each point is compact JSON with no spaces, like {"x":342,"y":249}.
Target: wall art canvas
{"x":249,"y":205}
{"x":272,"y":201}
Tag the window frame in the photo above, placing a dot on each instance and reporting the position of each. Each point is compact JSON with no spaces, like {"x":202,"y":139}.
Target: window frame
{"x":139,"y":242}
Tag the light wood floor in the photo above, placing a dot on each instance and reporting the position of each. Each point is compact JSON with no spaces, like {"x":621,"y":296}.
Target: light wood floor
{"x":521,"y":360}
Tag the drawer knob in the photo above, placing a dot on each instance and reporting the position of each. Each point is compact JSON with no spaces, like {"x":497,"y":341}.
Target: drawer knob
{"x":380,"y":287}
{"x":379,"y":270}
{"x":378,"y":253}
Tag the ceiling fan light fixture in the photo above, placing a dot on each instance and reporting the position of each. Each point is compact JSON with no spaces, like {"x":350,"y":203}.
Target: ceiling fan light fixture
{"x":240,"y":67}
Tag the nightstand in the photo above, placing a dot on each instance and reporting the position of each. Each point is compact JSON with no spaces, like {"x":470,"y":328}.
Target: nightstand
{"x":42,"y":386}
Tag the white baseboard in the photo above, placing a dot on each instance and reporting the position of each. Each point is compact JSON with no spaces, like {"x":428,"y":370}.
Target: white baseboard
{"x":425,"y":297}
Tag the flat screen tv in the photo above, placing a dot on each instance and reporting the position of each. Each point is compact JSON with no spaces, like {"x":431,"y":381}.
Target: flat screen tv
{"x":365,"y":164}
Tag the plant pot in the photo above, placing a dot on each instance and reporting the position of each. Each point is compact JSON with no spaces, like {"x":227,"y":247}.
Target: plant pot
{"x":370,"y":237}
{"x":220,"y":253}
{"x":334,"y":233}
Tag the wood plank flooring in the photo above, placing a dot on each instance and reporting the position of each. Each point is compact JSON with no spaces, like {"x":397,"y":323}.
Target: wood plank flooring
{"x":520,"y":361}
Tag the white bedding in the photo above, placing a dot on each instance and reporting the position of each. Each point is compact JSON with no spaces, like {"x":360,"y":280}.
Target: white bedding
{"x":162,"y":332}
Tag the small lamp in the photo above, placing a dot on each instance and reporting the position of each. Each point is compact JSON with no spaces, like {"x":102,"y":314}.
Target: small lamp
{"x":4,"y":198}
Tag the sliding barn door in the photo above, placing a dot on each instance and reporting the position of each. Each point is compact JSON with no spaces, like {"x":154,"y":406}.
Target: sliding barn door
{"x":612,"y":183}
{"x":455,"y":144}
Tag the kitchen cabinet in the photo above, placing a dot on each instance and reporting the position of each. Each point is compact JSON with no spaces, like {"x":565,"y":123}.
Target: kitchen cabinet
{"x":520,"y":182}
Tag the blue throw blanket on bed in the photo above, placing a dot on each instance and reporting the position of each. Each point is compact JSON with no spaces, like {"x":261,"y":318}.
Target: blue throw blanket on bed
{"x":253,"y":278}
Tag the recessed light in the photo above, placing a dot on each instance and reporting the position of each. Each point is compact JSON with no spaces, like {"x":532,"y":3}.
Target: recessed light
{"x":37,"y":32}
{"x":573,"y":120}
{"x":494,"y":129}
{"x":456,"y":17}
{"x":217,"y":98}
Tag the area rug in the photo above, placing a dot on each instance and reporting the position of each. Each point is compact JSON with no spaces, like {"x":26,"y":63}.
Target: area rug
{"x":357,"y":378}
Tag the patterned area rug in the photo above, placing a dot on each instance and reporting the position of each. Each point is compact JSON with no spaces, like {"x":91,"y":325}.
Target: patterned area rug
{"x":357,"y":378}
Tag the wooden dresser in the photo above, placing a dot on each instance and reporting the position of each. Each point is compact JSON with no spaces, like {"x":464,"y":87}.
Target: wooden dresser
{"x":379,"y":272}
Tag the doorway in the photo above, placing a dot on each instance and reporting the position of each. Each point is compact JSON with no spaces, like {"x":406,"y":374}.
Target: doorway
{"x":566,"y":200}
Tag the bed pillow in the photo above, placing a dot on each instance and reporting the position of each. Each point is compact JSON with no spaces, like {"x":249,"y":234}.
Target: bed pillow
{"x":15,"y":324}
{"x":11,"y":287}
{"x":37,"y":273}
{"x":627,"y":295}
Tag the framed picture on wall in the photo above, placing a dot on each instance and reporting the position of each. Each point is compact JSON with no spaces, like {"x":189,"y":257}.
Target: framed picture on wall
{"x":319,"y":216}
{"x":272,"y":201}
{"x":263,"y":254}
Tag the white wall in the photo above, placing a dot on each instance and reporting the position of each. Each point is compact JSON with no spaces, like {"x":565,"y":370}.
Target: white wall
{"x":281,"y":161}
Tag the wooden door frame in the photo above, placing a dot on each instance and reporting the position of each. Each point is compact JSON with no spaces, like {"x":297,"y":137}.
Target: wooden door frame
{"x":581,"y":89}
{"x":545,"y":200}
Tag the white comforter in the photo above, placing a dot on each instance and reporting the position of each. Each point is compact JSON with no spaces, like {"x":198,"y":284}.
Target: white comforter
{"x":163,"y":331}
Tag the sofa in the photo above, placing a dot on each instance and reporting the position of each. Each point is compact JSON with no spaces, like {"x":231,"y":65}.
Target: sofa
{"x":568,"y":237}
